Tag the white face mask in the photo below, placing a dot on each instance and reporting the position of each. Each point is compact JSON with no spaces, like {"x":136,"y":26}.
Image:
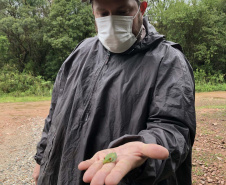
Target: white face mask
{"x":115,"y":32}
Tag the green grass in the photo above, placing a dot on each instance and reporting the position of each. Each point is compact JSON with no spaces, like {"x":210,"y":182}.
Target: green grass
{"x":11,"y":99}
{"x":26,"y":97}
{"x":219,"y":137}
{"x":211,"y":107}
{"x":206,"y":131}
{"x":207,"y":87}
{"x":199,"y":172}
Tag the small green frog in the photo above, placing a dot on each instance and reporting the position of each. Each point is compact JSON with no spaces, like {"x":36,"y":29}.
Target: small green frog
{"x":110,"y":158}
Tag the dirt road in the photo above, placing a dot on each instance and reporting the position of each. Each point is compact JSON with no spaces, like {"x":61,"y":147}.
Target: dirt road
{"x":21,"y":125}
{"x":20,"y":128}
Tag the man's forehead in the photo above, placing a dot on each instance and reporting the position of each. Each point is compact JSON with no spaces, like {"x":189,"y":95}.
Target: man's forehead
{"x":108,"y":1}
{"x":100,"y":5}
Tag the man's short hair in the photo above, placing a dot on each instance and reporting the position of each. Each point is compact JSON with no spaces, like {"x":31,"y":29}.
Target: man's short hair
{"x":138,"y":2}
{"x":90,"y":1}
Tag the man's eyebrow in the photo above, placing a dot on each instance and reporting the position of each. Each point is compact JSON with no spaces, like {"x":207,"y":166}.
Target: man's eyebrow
{"x":100,"y":9}
{"x":123,"y":7}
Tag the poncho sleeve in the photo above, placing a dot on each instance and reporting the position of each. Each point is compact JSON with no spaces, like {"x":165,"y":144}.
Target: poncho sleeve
{"x":57,"y":92}
{"x":171,"y":120}
{"x":43,"y":142}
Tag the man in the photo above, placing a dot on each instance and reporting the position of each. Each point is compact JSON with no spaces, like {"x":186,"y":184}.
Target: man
{"x":126,"y":91}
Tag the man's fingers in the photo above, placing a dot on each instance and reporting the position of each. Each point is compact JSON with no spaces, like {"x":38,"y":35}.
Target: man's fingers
{"x":85,"y":164}
{"x":36,"y":173}
{"x":101,"y":175}
{"x":154,"y":151}
{"x":91,"y":171}
{"x":112,"y":173}
{"x":118,"y":172}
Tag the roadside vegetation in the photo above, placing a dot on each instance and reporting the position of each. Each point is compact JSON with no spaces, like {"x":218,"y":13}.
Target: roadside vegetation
{"x":37,"y":36}
{"x":207,"y":82}
{"x":23,"y":87}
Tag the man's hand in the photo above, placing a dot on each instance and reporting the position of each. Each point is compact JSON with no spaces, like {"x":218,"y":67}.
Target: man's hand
{"x":36,"y":173}
{"x":129,"y":156}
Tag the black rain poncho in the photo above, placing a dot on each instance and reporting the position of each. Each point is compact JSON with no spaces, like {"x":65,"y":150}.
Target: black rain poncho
{"x":103,"y":100}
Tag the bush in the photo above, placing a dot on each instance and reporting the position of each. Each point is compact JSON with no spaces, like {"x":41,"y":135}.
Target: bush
{"x":209,"y":82}
{"x":201,"y":77}
{"x":23,"y":84}
{"x":209,"y":88}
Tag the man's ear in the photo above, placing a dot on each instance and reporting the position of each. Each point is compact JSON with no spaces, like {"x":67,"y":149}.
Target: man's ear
{"x":143,"y":7}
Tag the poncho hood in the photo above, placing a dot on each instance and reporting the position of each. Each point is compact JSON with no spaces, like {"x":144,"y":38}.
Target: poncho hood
{"x":151,"y":37}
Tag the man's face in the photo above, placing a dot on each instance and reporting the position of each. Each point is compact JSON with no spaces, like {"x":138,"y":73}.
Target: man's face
{"x":102,"y":8}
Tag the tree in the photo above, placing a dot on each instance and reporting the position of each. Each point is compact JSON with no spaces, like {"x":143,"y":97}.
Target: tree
{"x":199,"y":26}
{"x":4,"y":47}
{"x":69,"y":23}
{"x":42,"y":33}
{"x":22,"y":22}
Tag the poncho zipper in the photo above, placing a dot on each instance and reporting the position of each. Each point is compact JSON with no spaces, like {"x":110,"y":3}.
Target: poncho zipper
{"x":87,"y":110}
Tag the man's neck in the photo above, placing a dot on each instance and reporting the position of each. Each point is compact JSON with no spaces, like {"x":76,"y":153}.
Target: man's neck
{"x":142,"y":34}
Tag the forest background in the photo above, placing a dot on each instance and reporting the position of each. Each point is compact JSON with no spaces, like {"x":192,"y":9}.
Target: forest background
{"x":36,"y":36}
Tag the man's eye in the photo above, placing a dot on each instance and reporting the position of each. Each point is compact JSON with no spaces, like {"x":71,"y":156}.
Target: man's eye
{"x":123,"y":13}
{"x":104,"y":14}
